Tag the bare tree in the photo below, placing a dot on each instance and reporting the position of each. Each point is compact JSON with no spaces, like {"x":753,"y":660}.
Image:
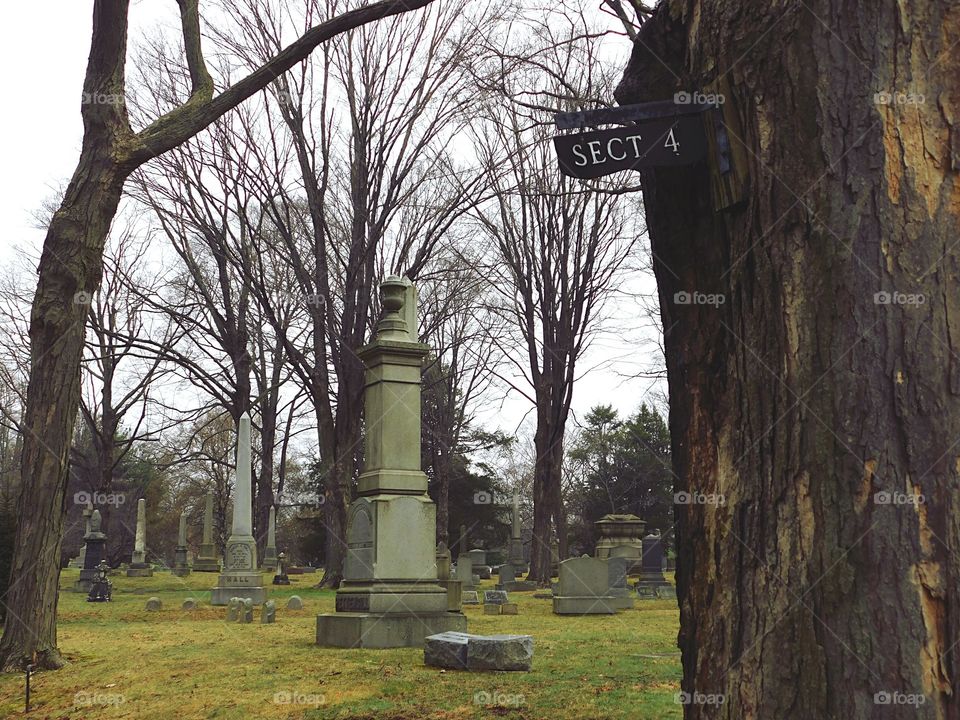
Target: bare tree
{"x":72,"y":262}
{"x":559,"y":245}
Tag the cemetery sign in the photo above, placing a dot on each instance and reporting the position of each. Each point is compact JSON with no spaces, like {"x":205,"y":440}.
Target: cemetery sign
{"x":655,"y":142}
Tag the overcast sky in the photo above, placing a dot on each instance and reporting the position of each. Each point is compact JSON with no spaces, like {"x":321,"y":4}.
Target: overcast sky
{"x":43,"y":57}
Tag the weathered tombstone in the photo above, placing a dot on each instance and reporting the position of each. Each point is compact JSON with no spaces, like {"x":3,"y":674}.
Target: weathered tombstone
{"x":246,"y":611}
{"x":78,"y":561}
{"x":154,"y":604}
{"x":623,"y":532}
{"x":139,"y":567}
{"x":453,"y":587}
{"x":181,"y":567}
{"x":651,"y":573}
{"x":270,"y":552}
{"x":389,"y":596}
{"x":554,"y":557}
{"x":583,"y":588}
{"x":617,"y":574}
{"x":294,"y":603}
{"x":281,"y":577}
{"x":478,"y":557}
{"x":101,"y":589}
{"x":268,"y":613}
{"x":207,"y":560}
{"x":478,"y":653}
{"x":491,"y":609}
{"x":646,"y":592}
{"x":508,"y":580}
{"x":515,"y":555}
{"x":463,"y":571}
{"x":233,"y":609}
{"x":495,"y":597}
{"x":470,"y":597}
{"x":240,"y":577}
{"x":189,"y":604}
{"x":95,"y":544}
{"x":666,"y":592}
{"x":509,"y":609}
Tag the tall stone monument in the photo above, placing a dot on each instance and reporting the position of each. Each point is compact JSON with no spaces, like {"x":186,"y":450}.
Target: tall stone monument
{"x":181,"y":568}
{"x":139,"y":567}
{"x":207,"y":560}
{"x":95,"y":543}
{"x":240,"y":577}
{"x":270,"y":552}
{"x":390,"y":595}
{"x":77,"y":562}
{"x":515,"y":556}
{"x":620,"y":536}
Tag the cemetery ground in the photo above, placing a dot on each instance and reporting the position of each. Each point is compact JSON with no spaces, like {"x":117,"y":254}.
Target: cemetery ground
{"x":126,"y":662}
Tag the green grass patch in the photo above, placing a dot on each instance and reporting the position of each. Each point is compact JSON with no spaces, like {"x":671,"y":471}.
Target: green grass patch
{"x":126,"y":662}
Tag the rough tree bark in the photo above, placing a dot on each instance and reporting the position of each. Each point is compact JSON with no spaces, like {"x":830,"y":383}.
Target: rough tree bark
{"x":72,"y":262}
{"x":804,"y":593}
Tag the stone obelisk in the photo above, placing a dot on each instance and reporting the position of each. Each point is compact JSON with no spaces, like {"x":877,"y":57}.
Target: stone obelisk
{"x":390,"y":596}
{"x":516,"y":543}
{"x":207,"y":560}
{"x":77,"y":562}
{"x":181,"y":568}
{"x":139,"y":567}
{"x":240,"y":577}
{"x":270,"y":552}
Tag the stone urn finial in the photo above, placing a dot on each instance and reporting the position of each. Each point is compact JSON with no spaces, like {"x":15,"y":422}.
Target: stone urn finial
{"x":392,"y":325}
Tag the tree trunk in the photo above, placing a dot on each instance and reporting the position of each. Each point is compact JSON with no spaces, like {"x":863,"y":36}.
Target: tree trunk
{"x":69,"y":272}
{"x":821,"y":399}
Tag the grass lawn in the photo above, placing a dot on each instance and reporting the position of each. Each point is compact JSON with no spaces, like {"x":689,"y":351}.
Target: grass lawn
{"x":126,"y":662}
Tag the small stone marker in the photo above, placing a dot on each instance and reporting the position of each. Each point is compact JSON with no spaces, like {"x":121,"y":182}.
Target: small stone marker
{"x":233,"y":609}
{"x":154,"y":604}
{"x":509,"y":609}
{"x":189,"y":604}
{"x":617,"y":574}
{"x":646,"y":592}
{"x":461,"y":651}
{"x":139,"y":591}
{"x":246,"y":611}
{"x":491,"y":609}
{"x":268,"y":613}
{"x":495,"y":597}
{"x":294,"y":603}
{"x":469,"y":597}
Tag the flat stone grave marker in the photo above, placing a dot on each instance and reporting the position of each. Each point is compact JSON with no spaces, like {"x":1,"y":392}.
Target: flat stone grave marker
{"x":509,"y":609}
{"x":667,"y":592}
{"x":154,"y":604}
{"x":268,"y":613}
{"x":646,"y":592}
{"x":463,"y":651}
{"x":491,"y":609}
{"x":470,"y":597}
{"x":294,"y":603}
